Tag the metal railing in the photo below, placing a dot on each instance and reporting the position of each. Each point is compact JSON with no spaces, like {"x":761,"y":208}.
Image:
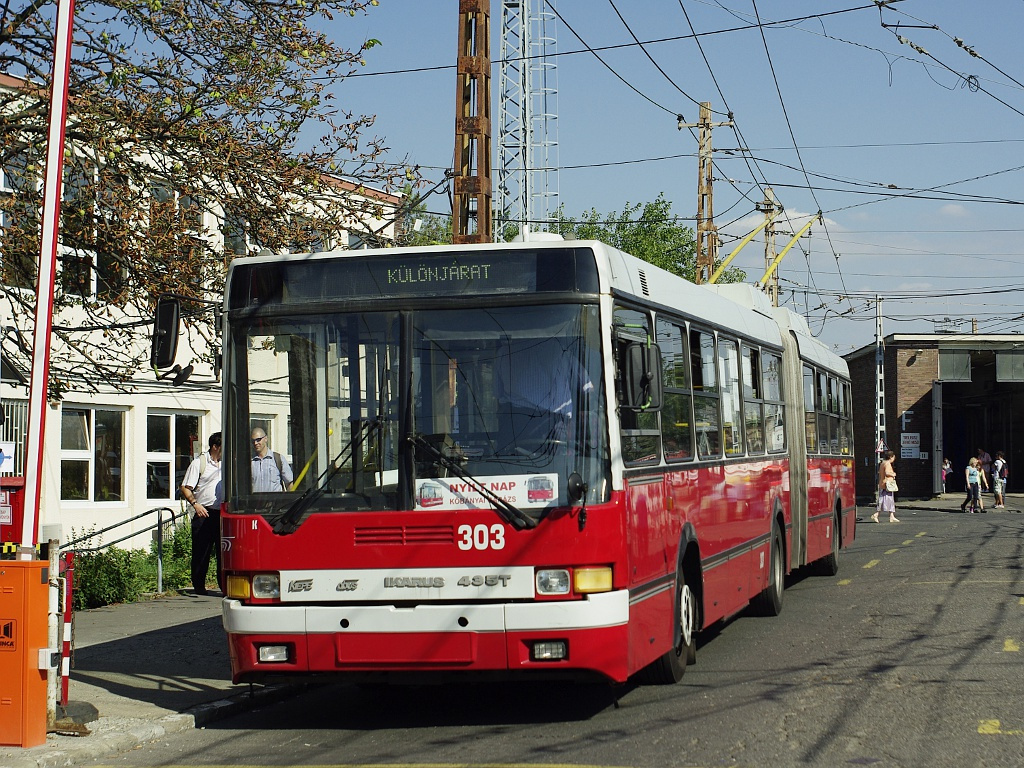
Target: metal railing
{"x":158,"y":525}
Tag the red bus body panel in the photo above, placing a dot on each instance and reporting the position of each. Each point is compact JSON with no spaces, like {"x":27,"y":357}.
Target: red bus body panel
{"x":729,"y":509}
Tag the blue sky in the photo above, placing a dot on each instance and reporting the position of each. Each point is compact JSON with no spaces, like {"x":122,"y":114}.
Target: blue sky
{"x":913,"y":154}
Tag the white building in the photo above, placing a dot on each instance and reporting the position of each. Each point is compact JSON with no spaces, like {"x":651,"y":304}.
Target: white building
{"x":111,"y":455}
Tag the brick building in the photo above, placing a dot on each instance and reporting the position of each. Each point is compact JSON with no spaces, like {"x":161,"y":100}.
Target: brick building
{"x":945,"y":396}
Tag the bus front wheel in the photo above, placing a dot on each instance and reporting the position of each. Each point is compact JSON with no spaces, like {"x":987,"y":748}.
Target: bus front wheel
{"x":668,"y":669}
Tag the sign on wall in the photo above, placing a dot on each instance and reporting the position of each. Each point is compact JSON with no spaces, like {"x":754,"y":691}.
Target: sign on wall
{"x":910,"y":445}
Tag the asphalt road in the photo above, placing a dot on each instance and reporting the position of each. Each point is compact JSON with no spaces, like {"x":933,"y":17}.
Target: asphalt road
{"x":911,"y":656}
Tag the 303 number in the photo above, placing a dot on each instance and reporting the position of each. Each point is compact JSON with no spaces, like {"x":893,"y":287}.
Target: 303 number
{"x":481,"y":537}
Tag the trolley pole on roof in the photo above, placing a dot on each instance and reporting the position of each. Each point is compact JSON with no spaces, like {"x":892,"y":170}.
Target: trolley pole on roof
{"x":473,"y":126}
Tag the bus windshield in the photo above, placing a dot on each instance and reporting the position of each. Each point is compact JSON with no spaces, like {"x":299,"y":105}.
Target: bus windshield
{"x":395,"y":410}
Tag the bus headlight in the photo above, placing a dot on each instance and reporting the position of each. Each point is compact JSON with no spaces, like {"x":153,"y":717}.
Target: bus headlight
{"x":266,"y":586}
{"x":554,"y":581}
{"x":272,"y":654}
{"x":592,"y":580}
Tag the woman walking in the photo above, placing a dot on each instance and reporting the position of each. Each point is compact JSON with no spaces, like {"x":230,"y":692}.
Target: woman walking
{"x":886,"y":488}
{"x":975,"y":477}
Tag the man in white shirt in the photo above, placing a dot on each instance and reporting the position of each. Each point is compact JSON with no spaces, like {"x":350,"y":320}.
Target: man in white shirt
{"x":202,"y":488}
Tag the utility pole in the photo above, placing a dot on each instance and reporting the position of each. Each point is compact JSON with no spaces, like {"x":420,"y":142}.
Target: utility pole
{"x":472,"y":187}
{"x":769,"y":207}
{"x":879,"y":383}
{"x":707,"y":233}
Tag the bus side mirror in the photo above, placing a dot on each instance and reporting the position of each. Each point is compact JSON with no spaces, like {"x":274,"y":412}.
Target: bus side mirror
{"x":643,"y":377}
{"x":165,"y":332}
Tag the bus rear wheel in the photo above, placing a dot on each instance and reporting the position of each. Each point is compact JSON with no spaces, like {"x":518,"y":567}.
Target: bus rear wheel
{"x":829,"y":565}
{"x":668,"y":669}
{"x":769,"y":601}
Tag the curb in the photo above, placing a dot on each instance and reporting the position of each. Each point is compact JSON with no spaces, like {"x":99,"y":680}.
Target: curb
{"x":211,"y":712}
{"x":114,"y":736}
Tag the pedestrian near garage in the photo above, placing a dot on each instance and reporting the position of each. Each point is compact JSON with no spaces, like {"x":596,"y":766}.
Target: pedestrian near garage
{"x":985,"y":463}
{"x":999,"y":473}
{"x":975,"y":477}
{"x":886,"y":488}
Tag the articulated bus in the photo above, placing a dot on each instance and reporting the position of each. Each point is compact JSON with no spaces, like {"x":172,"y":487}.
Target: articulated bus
{"x":537,"y":458}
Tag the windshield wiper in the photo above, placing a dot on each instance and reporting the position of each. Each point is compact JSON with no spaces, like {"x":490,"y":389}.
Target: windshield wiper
{"x":292,"y":517}
{"x":510,"y":513}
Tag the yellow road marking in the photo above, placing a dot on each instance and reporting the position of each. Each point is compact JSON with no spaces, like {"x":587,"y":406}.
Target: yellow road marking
{"x":891,"y":551}
{"x":1021,"y":601}
{"x":844,"y":582}
{"x":1009,"y":646}
{"x":922,"y":533}
{"x":908,"y":542}
{"x":871,"y":563}
{"x":994,"y":728}
{"x":425,"y":765}
{"x":969,"y":583}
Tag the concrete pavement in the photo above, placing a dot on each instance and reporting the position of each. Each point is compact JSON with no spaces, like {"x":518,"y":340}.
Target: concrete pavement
{"x":149,"y":668}
{"x":155,"y":667}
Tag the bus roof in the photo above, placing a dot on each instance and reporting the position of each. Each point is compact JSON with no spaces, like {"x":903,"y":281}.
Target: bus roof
{"x":736,"y":307}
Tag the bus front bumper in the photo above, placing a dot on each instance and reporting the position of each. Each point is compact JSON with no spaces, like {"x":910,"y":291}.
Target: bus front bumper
{"x":585,"y":636}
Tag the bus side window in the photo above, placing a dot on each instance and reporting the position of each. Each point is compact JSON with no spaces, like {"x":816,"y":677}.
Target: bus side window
{"x":677,"y":411}
{"x":774,"y":409}
{"x":703,"y":373}
{"x":638,"y":387}
{"x":810,"y":420}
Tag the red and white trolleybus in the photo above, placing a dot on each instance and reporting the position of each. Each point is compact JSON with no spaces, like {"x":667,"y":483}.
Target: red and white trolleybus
{"x":542,"y":457}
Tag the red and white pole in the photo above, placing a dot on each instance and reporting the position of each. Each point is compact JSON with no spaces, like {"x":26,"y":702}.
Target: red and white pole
{"x":52,"y":184}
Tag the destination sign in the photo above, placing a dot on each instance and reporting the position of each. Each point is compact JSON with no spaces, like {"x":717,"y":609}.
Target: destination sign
{"x":348,"y":275}
{"x":463,"y":274}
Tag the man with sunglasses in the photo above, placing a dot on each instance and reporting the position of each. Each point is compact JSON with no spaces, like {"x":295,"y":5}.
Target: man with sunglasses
{"x":270,"y":470}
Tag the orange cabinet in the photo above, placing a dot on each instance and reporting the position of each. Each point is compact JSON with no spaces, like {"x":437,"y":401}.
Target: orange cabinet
{"x":23,"y":620}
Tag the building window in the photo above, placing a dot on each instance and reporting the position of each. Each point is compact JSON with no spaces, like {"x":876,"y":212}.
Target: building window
{"x":172,"y":441}
{"x":1010,"y":366}
{"x":91,"y":455}
{"x":76,"y":274}
{"x":21,"y":221}
{"x":236,"y":242}
{"x":192,"y":209}
{"x":954,"y":365}
{"x":78,"y":206}
{"x":14,"y":429}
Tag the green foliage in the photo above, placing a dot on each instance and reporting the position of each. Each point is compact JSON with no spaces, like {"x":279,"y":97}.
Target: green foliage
{"x":228,"y":106}
{"x":113,"y":575}
{"x":648,"y":231}
{"x":418,"y":227}
{"x":105,"y":577}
